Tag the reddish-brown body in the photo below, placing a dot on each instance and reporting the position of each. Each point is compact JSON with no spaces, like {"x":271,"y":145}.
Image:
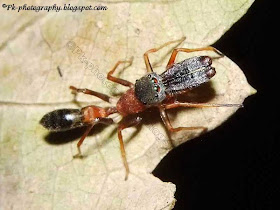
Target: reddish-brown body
{"x":129,"y":104}
{"x":92,"y":112}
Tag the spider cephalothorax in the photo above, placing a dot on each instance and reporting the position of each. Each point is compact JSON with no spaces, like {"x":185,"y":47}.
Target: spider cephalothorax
{"x":150,"y":89}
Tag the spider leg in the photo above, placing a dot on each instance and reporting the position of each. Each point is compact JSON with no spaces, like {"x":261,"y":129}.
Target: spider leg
{"x":170,"y":128}
{"x":199,"y":105}
{"x":105,"y":120}
{"x":167,"y":123}
{"x":125,"y":124}
{"x":119,"y":80}
{"x":175,"y":52}
{"x":146,"y":57}
{"x":102,"y":96}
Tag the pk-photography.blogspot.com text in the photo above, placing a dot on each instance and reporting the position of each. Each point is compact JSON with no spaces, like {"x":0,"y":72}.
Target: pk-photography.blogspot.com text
{"x":54,"y":7}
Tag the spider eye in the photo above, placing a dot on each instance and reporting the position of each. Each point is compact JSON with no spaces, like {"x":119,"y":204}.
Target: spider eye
{"x":157,"y":88}
{"x":154,"y":80}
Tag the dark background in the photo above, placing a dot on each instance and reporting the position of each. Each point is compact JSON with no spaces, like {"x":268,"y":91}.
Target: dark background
{"x":234,"y":166}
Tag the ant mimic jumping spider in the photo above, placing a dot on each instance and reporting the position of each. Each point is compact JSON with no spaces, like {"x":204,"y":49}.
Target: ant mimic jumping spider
{"x":152,"y":90}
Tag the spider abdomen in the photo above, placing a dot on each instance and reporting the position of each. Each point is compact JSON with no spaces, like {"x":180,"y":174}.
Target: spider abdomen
{"x":62,"y":119}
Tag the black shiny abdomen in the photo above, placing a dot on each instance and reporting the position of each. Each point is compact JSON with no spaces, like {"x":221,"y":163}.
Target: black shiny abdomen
{"x":62,"y":119}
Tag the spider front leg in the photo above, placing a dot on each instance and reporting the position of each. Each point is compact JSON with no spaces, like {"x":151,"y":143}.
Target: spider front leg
{"x":126,"y":123}
{"x":146,"y":57}
{"x":119,"y":80}
{"x":175,"y":52}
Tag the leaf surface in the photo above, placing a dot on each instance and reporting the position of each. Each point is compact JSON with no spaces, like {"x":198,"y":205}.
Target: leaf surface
{"x":37,"y":169}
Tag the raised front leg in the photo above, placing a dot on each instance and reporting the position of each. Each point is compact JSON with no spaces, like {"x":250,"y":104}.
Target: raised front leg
{"x":146,"y":57}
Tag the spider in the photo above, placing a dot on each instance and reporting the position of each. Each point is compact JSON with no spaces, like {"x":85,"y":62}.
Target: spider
{"x":152,"y":90}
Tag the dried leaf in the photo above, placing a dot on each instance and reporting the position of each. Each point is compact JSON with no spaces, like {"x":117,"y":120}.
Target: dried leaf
{"x":43,"y":53}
